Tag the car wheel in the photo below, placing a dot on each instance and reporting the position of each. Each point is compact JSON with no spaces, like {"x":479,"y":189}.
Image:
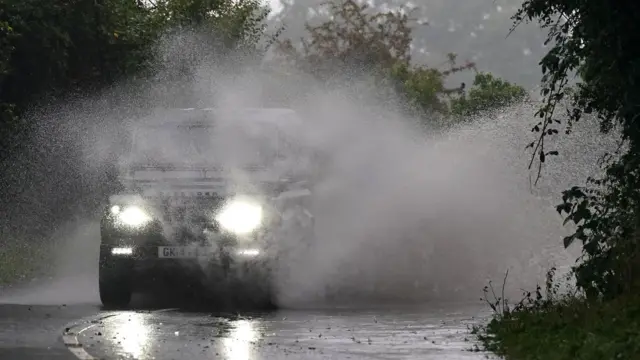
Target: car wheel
{"x":257,"y":291}
{"x":264,"y":298}
{"x":257,"y":298}
{"x":115,"y":290}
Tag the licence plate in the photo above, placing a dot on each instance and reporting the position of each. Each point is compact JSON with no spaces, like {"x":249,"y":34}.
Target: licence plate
{"x":183,"y":252}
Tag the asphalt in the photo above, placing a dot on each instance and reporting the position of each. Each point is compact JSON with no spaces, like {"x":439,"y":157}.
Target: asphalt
{"x":86,"y":331}
{"x":35,"y":332}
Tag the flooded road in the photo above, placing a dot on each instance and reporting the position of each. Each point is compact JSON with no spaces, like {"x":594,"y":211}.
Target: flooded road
{"x":431,"y":333}
{"x":155,"y":330}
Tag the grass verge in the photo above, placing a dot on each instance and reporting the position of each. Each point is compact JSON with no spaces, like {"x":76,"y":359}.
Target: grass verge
{"x":551,"y":327}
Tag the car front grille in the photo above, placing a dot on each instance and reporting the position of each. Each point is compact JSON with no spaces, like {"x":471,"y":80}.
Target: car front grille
{"x":187,"y":194}
{"x":182,"y":192}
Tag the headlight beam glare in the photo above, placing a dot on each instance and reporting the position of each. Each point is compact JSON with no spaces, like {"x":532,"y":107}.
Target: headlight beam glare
{"x":240,"y":217}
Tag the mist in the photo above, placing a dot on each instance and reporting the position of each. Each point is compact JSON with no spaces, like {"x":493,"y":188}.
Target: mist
{"x":432,"y":217}
{"x":404,"y":213}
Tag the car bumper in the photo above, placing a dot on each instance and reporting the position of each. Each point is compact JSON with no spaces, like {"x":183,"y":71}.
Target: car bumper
{"x":144,"y":265}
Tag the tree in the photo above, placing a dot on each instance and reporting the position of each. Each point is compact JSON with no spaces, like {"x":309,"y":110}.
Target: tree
{"x":596,"y":39}
{"x":487,"y":94}
{"x":53,"y":51}
{"x":353,"y":42}
{"x":49,"y":49}
{"x":356,"y":42}
{"x":473,"y":29}
{"x":232,"y":24}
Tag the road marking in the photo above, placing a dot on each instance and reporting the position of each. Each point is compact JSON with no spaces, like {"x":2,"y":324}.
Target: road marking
{"x":72,"y":343}
{"x":164,"y":310}
{"x":70,"y":337}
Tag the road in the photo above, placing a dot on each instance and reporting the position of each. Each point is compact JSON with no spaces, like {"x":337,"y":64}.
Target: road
{"x":34,"y":332}
{"x":85,"y":331}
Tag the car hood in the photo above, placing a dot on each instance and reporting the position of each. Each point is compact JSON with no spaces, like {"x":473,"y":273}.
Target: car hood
{"x":172,"y":180}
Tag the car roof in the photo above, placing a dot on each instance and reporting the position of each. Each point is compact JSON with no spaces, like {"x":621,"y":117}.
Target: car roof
{"x":201,"y":116}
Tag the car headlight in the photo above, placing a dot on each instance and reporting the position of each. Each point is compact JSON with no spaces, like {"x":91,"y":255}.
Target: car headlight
{"x":132,"y":216}
{"x":240,"y":216}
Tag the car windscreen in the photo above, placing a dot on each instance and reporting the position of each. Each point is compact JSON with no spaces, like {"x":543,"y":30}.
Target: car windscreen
{"x":256,"y":144}
{"x":171,"y":143}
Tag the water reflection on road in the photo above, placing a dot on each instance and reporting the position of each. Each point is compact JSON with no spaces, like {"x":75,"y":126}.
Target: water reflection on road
{"x":133,"y":335}
{"x":436,"y":333}
{"x":237,"y":343}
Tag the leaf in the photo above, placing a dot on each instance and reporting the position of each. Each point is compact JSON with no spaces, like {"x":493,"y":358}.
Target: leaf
{"x":565,"y":207}
{"x":568,"y":240}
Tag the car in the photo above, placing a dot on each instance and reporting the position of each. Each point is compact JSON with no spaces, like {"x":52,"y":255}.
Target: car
{"x":207,"y":196}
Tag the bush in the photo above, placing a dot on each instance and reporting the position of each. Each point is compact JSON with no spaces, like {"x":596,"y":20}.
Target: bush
{"x":557,"y":326}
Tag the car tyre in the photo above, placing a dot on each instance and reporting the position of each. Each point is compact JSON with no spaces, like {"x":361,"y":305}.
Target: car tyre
{"x":258,"y":298}
{"x":264,"y":299}
{"x":115,"y":290}
{"x":257,"y":291}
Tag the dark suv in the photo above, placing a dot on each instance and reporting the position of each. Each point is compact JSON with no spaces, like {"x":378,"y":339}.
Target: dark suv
{"x":207,"y":196}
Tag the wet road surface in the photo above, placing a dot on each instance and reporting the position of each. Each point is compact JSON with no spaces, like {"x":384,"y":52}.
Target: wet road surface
{"x":69,"y":332}
{"x":34,"y":332}
{"x":436,"y":333}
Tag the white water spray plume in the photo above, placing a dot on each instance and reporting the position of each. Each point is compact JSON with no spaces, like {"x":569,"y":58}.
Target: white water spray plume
{"x":403,"y":213}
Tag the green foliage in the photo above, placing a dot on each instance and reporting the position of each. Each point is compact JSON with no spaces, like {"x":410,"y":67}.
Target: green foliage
{"x":49,"y":49}
{"x":55,"y":47}
{"x":422,"y":86}
{"x":63,"y":46}
{"x":572,"y":329}
{"x":233,"y":23}
{"x":488,"y":93}
{"x":6,"y":48}
{"x":357,"y":42}
{"x":597,"y":40}
{"x":550,"y":325}
{"x":594,"y":40}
